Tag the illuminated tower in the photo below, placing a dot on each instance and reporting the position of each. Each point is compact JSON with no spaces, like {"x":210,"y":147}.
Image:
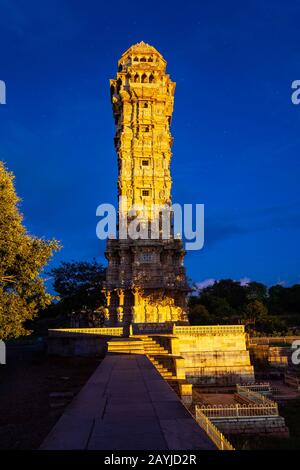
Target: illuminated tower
{"x":146,"y":280}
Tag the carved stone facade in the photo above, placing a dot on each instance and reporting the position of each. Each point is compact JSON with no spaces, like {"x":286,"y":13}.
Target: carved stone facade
{"x":146,"y":281}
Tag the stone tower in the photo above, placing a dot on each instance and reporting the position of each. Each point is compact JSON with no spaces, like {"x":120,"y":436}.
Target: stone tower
{"x":145,"y":281}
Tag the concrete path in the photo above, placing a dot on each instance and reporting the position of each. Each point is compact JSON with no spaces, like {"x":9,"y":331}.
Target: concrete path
{"x":127,"y":405}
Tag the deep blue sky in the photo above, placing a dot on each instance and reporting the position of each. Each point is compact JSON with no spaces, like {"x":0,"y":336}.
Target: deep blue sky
{"x":237,"y":133}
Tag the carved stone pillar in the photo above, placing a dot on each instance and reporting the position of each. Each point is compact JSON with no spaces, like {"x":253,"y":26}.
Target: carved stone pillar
{"x":106,"y":309}
{"x":137,"y":316}
{"x":106,"y":314}
{"x":120,"y":309}
{"x":108,"y":298}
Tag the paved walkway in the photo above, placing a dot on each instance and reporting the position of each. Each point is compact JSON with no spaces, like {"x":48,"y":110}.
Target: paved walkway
{"x":127,"y":405}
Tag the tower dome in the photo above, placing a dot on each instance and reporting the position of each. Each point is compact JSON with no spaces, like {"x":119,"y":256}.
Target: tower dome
{"x":142,"y":55}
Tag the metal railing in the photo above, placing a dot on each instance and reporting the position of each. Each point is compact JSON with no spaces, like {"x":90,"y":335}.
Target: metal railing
{"x":238,"y":411}
{"x":292,"y":380}
{"x":212,"y":431}
{"x":258,"y":405}
{"x":253,"y":395}
{"x":263,"y":387}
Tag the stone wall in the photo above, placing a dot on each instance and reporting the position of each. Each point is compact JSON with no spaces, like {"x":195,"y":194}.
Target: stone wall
{"x":215,"y":354}
{"x":69,"y":346}
{"x":276,"y":356}
{"x":256,"y":425}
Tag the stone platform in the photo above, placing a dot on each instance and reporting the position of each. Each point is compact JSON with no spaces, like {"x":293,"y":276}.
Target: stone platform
{"x":204,"y":355}
{"x":127,"y":405}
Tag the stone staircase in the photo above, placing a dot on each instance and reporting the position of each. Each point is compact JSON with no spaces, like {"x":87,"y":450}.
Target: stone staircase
{"x":159,"y":356}
{"x":165,"y":372}
{"x":151,"y":346}
{"x":163,"y":360}
{"x":144,"y":344}
{"x":125,"y":346}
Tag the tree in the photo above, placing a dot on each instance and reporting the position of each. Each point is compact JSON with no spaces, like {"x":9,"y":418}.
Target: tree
{"x":277,"y":299}
{"x":199,"y":315}
{"x":255,"y":311}
{"x":22,"y":259}
{"x":271,"y":325}
{"x":219,"y":308}
{"x":79,"y":285}
{"x":227,"y":289}
{"x":292,"y":299}
{"x":266,"y":310}
{"x":256,"y":291}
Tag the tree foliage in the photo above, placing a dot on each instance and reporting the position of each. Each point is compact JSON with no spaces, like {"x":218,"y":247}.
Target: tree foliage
{"x":255,"y":311}
{"x":256,"y":291}
{"x":22,"y":259}
{"x":231,"y":291}
{"x":199,"y":311}
{"x":79,"y":285}
{"x":260,"y":308}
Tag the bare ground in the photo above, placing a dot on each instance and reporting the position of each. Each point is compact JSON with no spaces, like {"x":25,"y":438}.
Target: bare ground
{"x":34,"y":391}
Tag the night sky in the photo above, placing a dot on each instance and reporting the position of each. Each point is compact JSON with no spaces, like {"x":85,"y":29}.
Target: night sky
{"x":236,"y":132}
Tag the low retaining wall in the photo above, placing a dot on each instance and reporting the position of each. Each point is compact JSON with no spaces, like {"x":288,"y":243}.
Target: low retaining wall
{"x":77,"y":346}
{"x":292,"y":380}
{"x":252,"y":413}
{"x":81,"y":341}
{"x":214,"y":355}
{"x":223,"y":376}
{"x":256,"y":425}
{"x":273,"y":340}
{"x":77,"y":332}
{"x":276,"y":356}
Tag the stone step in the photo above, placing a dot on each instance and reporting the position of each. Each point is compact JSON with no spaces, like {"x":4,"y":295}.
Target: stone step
{"x":157,"y":363}
{"x":160,"y":364}
{"x":124,"y":346}
{"x":153,"y":343}
{"x":156,"y":350}
{"x":163,"y":370}
{"x":155,"y":354}
{"x":155,"y":357}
